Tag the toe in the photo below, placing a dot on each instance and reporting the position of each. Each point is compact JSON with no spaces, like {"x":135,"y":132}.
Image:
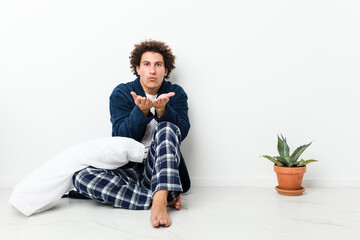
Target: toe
{"x":155,"y":223}
{"x":163,"y":222}
{"x":167,"y":223}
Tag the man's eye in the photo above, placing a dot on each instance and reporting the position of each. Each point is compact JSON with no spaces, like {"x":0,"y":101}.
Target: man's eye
{"x":159,"y":64}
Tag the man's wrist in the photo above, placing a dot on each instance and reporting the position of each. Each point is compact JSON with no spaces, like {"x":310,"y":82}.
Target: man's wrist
{"x":160,"y":111}
{"x":145,"y":112}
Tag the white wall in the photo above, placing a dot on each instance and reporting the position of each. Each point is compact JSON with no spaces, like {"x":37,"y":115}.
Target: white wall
{"x":252,"y":69}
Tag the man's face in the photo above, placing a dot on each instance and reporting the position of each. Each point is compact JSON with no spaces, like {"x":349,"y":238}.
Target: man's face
{"x":152,"y":72}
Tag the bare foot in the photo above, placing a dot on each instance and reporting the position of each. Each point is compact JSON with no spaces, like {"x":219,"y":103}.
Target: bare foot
{"x":159,"y":215}
{"x":176,"y":204}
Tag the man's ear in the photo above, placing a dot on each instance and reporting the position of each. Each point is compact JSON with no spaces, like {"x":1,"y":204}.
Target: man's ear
{"x":137,"y":69}
{"x":166,"y":72}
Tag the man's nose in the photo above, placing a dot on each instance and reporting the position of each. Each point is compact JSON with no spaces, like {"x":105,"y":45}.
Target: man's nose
{"x":152,"y":69}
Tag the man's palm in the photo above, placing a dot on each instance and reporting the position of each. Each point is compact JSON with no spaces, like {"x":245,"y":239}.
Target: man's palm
{"x":146,"y":103}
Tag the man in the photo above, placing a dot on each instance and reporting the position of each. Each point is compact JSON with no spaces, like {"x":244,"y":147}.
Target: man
{"x":154,"y":112}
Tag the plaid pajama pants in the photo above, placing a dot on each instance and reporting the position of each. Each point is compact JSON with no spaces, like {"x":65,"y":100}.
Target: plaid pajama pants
{"x":134,"y":185}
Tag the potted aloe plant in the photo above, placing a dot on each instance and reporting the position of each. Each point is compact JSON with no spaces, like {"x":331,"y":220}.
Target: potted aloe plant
{"x":289,"y":169}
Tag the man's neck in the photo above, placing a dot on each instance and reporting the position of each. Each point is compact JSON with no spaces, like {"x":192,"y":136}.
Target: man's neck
{"x":155,"y":92}
{"x":150,"y":91}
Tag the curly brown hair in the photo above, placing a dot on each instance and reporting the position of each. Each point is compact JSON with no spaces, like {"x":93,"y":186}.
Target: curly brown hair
{"x":152,"y":46}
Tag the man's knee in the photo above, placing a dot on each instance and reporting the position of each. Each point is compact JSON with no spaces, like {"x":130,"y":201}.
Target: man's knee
{"x":81,"y":176}
{"x":167,"y":127}
{"x":167,"y":124}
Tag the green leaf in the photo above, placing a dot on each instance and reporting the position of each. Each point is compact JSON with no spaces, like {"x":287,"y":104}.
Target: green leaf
{"x":283,"y":149}
{"x":282,"y":160}
{"x":298,"y":162}
{"x":296,"y":154}
{"x":303,"y":163}
{"x":276,"y":162}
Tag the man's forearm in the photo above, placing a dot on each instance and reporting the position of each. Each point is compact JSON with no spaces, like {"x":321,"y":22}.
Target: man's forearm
{"x":146,"y":112}
{"x":160,"y":111}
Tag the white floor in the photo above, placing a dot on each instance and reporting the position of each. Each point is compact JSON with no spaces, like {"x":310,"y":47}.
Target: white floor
{"x":208,"y":213}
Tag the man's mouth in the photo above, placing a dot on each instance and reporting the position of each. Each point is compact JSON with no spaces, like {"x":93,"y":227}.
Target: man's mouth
{"x":152,"y":78}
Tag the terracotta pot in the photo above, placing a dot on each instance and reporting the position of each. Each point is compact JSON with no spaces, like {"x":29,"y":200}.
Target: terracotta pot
{"x":289,"y":178}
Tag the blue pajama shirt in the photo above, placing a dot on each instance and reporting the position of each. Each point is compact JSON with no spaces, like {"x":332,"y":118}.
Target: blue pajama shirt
{"x":133,"y":185}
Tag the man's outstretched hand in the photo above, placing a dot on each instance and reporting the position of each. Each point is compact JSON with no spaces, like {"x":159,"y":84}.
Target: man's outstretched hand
{"x":159,"y":104}
{"x":143,"y":103}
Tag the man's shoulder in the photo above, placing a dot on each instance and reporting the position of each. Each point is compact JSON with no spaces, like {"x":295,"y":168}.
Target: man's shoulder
{"x":125,"y":87}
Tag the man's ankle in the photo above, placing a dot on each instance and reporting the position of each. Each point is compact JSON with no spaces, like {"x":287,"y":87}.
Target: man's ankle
{"x":161,"y":195}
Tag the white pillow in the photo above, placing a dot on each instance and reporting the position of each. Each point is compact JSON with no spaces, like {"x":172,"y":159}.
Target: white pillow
{"x":44,"y":186}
